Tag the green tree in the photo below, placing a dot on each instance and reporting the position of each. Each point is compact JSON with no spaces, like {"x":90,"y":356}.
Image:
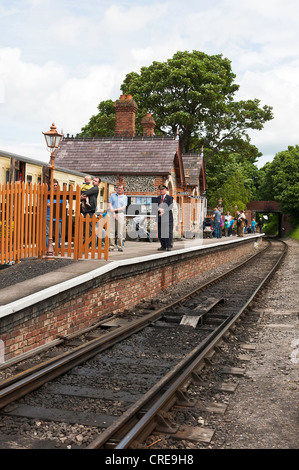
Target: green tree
{"x":102,"y":124}
{"x":193,"y":93}
{"x":279,"y":181}
{"x":234,"y":179}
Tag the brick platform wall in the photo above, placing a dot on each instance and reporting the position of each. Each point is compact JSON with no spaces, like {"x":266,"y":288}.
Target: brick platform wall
{"x":111,"y":293}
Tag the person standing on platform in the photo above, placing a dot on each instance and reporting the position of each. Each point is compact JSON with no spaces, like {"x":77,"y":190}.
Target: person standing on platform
{"x":217,"y":221}
{"x":92,"y":195}
{"x":165,"y":219}
{"x":227,"y":224}
{"x":241,"y":225}
{"x":221,"y":224}
{"x":117,"y":205}
{"x":253,"y":224}
{"x":261,"y":223}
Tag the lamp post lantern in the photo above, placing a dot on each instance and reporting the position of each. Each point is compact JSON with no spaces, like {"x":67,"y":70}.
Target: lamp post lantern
{"x":53,"y":139}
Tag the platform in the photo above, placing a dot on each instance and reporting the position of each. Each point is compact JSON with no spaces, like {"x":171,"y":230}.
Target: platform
{"x":28,"y":292}
{"x":39,"y":312}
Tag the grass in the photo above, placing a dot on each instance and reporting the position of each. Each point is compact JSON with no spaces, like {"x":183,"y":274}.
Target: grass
{"x":294,"y":233}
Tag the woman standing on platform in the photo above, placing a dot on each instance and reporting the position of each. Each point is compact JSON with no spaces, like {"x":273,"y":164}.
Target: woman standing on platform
{"x":241,"y":224}
{"x":227,"y":225}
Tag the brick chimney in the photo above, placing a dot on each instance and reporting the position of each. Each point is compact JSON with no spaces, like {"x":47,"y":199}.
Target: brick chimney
{"x":125,"y":109}
{"x":148,"y":125}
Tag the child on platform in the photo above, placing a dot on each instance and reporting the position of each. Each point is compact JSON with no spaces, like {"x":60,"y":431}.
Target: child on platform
{"x":85,"y":187}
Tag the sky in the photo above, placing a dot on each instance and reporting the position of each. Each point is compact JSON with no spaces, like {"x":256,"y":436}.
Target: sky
{"x":60,"y":58}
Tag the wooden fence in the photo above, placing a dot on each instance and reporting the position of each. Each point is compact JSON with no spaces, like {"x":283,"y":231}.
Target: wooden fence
{"x":25,"y":218}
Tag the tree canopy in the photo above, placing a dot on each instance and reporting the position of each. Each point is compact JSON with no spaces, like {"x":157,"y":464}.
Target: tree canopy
{"x":279,"y":181}
{"x":102,"y":124}
{"x":233,"y":180}
{"x":193,"y":93}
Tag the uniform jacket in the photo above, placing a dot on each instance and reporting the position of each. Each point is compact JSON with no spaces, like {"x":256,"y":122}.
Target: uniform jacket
{"x":167,"y":205}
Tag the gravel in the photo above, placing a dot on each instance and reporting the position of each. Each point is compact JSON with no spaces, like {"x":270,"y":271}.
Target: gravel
{"x":28,"y":269}
{"x":261,"y":413}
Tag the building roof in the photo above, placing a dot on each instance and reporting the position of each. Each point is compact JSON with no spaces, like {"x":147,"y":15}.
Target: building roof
{"x":193,"y":166}
{"x":145,"y":156}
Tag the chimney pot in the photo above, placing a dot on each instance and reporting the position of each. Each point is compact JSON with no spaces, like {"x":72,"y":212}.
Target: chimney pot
{"x":148,"y":124}
{"x":125,"y":110}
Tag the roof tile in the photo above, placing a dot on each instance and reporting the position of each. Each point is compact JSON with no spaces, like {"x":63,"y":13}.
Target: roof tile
{"x":143,"y":156}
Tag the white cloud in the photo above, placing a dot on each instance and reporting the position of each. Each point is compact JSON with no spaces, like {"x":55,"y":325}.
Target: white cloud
{"x":59,"y":66}
{"x":72,"y":31}
{"x":119,"y":19}
{"x":26,"y":85}
{"x":34,"y":96}
{"x":6,"y":12}
{"x":278,"y":88}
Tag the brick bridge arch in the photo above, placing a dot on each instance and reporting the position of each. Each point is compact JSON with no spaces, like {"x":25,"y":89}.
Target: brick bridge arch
{"x":269,"y":207}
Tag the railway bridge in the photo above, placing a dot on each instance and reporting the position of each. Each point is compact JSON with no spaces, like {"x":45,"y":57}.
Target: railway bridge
{"x":266,"y":207}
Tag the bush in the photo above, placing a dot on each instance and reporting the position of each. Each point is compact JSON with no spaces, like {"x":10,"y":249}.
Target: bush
{"x":294,"y":233}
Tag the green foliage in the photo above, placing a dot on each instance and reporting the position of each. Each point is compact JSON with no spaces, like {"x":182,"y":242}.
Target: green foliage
{"x":103,"y":124}
{"x":192,"y":92}
{"x":195,"y":93}
{"x":294,"y":234}
{"x":271,"y":225}
{"x":279,"y":181}
{"x":233,"y":179}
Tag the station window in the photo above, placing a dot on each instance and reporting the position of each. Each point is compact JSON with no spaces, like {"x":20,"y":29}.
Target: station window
{"x":140,"y":204}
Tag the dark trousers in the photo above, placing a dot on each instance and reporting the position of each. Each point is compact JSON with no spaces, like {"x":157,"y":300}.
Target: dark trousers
{"x":165,"y":235}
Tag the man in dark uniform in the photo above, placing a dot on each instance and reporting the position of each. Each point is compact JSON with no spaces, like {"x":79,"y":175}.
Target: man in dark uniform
{"x":165,"y":219}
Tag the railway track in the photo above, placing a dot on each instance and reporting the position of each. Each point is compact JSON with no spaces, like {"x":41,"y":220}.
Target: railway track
{"x":120,"y":386}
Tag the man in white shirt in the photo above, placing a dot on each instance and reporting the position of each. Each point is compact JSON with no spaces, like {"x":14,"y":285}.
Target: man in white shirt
{"x":117,"y":205}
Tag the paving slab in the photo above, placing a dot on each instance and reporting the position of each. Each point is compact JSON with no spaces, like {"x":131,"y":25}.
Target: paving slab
{"x":133,"y":252}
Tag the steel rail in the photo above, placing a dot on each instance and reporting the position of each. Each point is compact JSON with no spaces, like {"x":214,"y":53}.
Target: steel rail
{"x":175,"y":379}
{"x":30,"y":380}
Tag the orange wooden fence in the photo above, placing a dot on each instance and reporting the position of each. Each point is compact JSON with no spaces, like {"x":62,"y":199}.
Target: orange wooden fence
{"x":24,"y":220}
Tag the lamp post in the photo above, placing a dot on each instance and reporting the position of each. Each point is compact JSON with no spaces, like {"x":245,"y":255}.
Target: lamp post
{"x":53,"y":139}
{"x":220,"y":204}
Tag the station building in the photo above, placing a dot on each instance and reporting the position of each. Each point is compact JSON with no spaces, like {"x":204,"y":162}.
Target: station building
{"x":141,"y":164}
